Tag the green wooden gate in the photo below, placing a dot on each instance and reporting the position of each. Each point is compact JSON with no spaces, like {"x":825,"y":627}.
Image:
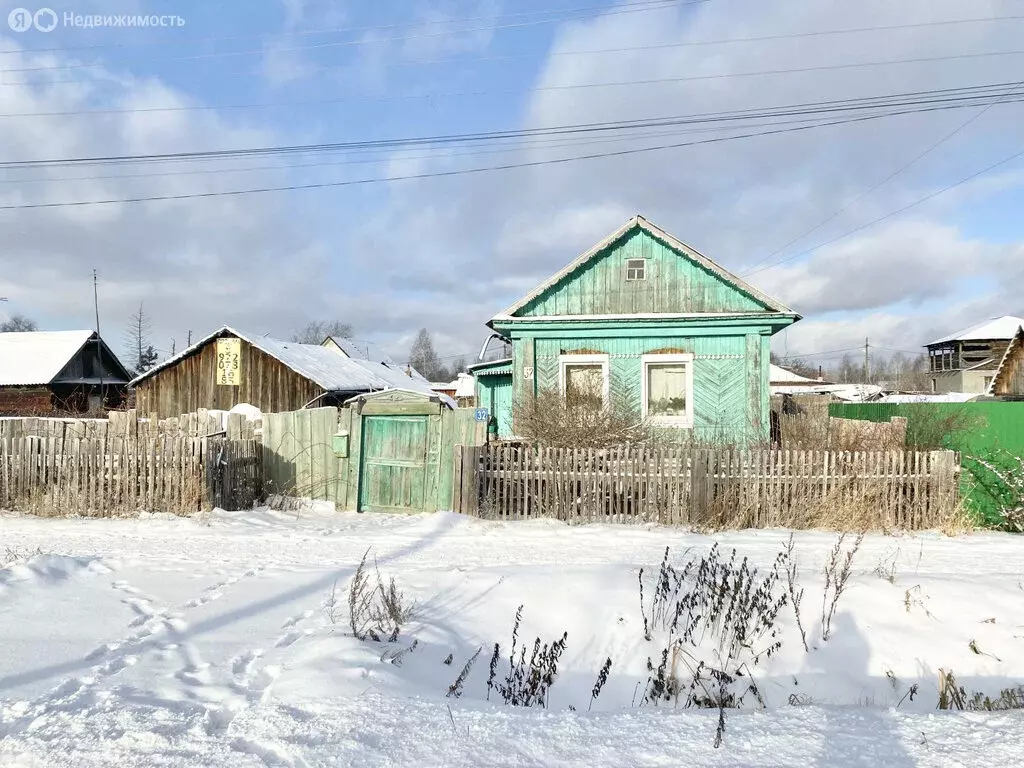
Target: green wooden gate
{"x":393,"y":475}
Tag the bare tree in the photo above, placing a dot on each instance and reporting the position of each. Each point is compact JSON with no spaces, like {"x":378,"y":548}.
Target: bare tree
{"x":423,"y":357}
{"x":141,"y":355}
{"x":318,"y":330}
{"x":18,"y":324}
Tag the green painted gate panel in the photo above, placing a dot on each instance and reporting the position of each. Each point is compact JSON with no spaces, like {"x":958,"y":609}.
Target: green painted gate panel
{"x":394,"y":462}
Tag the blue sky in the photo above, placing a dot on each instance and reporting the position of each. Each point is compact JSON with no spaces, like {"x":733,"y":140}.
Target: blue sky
{"x":448,"y":253}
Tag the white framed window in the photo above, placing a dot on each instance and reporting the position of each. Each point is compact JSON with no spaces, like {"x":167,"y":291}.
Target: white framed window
{"x":584,"y":377}
{"x":666,"y":389}
{"x":636,"y":269}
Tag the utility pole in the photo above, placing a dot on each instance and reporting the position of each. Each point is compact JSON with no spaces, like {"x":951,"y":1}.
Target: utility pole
{"x":99,"y":339}
{"x":867,"y":364}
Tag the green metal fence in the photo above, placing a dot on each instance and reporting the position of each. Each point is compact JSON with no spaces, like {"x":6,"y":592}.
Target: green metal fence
{"x":982,"y":430}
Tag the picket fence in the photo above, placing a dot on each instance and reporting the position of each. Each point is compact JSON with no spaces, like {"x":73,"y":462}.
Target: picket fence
{"x":104,"y":477}
{"x":701,"y":487}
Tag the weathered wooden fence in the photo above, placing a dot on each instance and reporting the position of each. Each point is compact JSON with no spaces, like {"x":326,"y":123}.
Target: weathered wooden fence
{"x":204,"y":423}
{"x":110,"y":476}
{"x":682,"y":486}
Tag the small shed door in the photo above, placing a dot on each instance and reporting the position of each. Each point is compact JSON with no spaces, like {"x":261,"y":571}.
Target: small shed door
{"x":393,"y":463}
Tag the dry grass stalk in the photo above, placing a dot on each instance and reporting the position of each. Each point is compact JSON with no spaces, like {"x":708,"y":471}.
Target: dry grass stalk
{"x":837,"y":573}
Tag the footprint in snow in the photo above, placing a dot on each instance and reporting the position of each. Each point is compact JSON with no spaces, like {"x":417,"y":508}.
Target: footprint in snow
{"x":242,"y":664}
{"x":296,"y":619}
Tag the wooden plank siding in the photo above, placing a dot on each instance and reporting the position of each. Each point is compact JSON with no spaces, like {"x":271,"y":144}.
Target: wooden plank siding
{"x":190,"y":384}
{"x":671,"y":284}
{"x":730,"y":375}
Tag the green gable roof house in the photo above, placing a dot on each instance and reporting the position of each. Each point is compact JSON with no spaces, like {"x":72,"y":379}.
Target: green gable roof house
{"x":644,"y":315}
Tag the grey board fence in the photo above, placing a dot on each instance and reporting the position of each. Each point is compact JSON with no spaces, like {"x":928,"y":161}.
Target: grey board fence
{"x":700,"y":487}
{"x":103,"y":477}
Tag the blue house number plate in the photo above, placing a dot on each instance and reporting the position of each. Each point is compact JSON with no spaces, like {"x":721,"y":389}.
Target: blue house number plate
{"x":481,"y":414}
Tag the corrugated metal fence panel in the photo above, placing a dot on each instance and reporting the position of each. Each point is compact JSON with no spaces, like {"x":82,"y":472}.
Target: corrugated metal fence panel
{"x":980,"y":430}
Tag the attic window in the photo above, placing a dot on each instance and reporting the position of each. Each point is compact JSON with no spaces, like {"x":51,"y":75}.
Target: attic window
{"x":636,"y":269}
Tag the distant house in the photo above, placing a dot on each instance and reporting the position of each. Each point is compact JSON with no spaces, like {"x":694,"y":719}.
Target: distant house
{"x":644,"y":318}
{"x":58,"y":372}
{"x":1008,"y":380}
{"x":783,"y":381}
{"x":966,"y":361}
{"x":365,"y":350}
{"x":229,"y":367}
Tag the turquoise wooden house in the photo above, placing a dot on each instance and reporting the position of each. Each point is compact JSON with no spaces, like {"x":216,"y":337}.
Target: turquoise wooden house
{"x":644,"y":316}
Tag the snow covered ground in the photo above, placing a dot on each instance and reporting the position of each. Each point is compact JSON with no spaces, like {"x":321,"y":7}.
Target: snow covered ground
{"x":173,"y":642}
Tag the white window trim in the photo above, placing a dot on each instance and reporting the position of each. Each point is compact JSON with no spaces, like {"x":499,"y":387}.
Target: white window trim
{"x":602,"y":360}
{"x":681,"y":422}
{"x":643,"y":267}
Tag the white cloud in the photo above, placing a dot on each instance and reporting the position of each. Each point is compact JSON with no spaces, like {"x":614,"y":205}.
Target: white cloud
{"x":740,"y":201}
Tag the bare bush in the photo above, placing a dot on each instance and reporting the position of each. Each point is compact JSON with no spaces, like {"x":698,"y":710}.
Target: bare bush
{"x":550,"y":418}
{"x":796,"y":594}
{"x":528,"y":682}
{"x":377,"y":611}
{"x":719,"y":618}
{"x":837,"y":573}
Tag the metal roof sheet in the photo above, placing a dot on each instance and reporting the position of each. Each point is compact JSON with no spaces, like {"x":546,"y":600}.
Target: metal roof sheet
{"x":323,"y":366}
{"x":36,"y":357}
{"x":997,"y":328}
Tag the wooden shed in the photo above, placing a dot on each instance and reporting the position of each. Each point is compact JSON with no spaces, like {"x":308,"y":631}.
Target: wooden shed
{"x":1008,"y":381}
{"x":229,"y":367}
{"x":46,"y":373}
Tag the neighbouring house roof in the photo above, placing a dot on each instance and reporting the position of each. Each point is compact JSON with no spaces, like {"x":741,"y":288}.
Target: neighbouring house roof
{"x":329,"y":370}
{"x":365,"y":350}
{"x":995,"y":329}
{"x":464,"y":386}
{"x":639,"y":222}
{"x":492,"y":368}
{"x":30,"y":358}
{"x":1004,"y":364}
{"x":779,"y":375}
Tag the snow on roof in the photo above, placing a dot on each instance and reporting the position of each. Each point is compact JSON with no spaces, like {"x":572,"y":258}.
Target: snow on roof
{"x":321,"y":365}
{"x":362,"y":350}
{"x":36,"y":357}
{"x":465,"y":386}
{"x":997,"y":328}
{"x":778,"y":374}
{"x":365,"y":350}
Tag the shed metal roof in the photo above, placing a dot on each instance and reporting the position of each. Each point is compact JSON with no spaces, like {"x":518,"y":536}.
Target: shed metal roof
{"x":29,"y":358}
{"x":323,"y":366}
{"x":366,"y":350}
{"x":991,"y":330}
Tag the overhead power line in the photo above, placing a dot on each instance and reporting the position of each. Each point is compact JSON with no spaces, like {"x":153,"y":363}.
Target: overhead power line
{"x":536,"y":89}
{"x":913,"y":161}
{"x":884,"y":105}
{"x":588,"y":52}
{"x":986,"y":170}
{"x":441,"y":174}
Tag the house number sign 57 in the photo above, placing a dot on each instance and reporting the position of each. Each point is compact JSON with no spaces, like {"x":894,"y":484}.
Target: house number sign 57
{"x":229,"y":362}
